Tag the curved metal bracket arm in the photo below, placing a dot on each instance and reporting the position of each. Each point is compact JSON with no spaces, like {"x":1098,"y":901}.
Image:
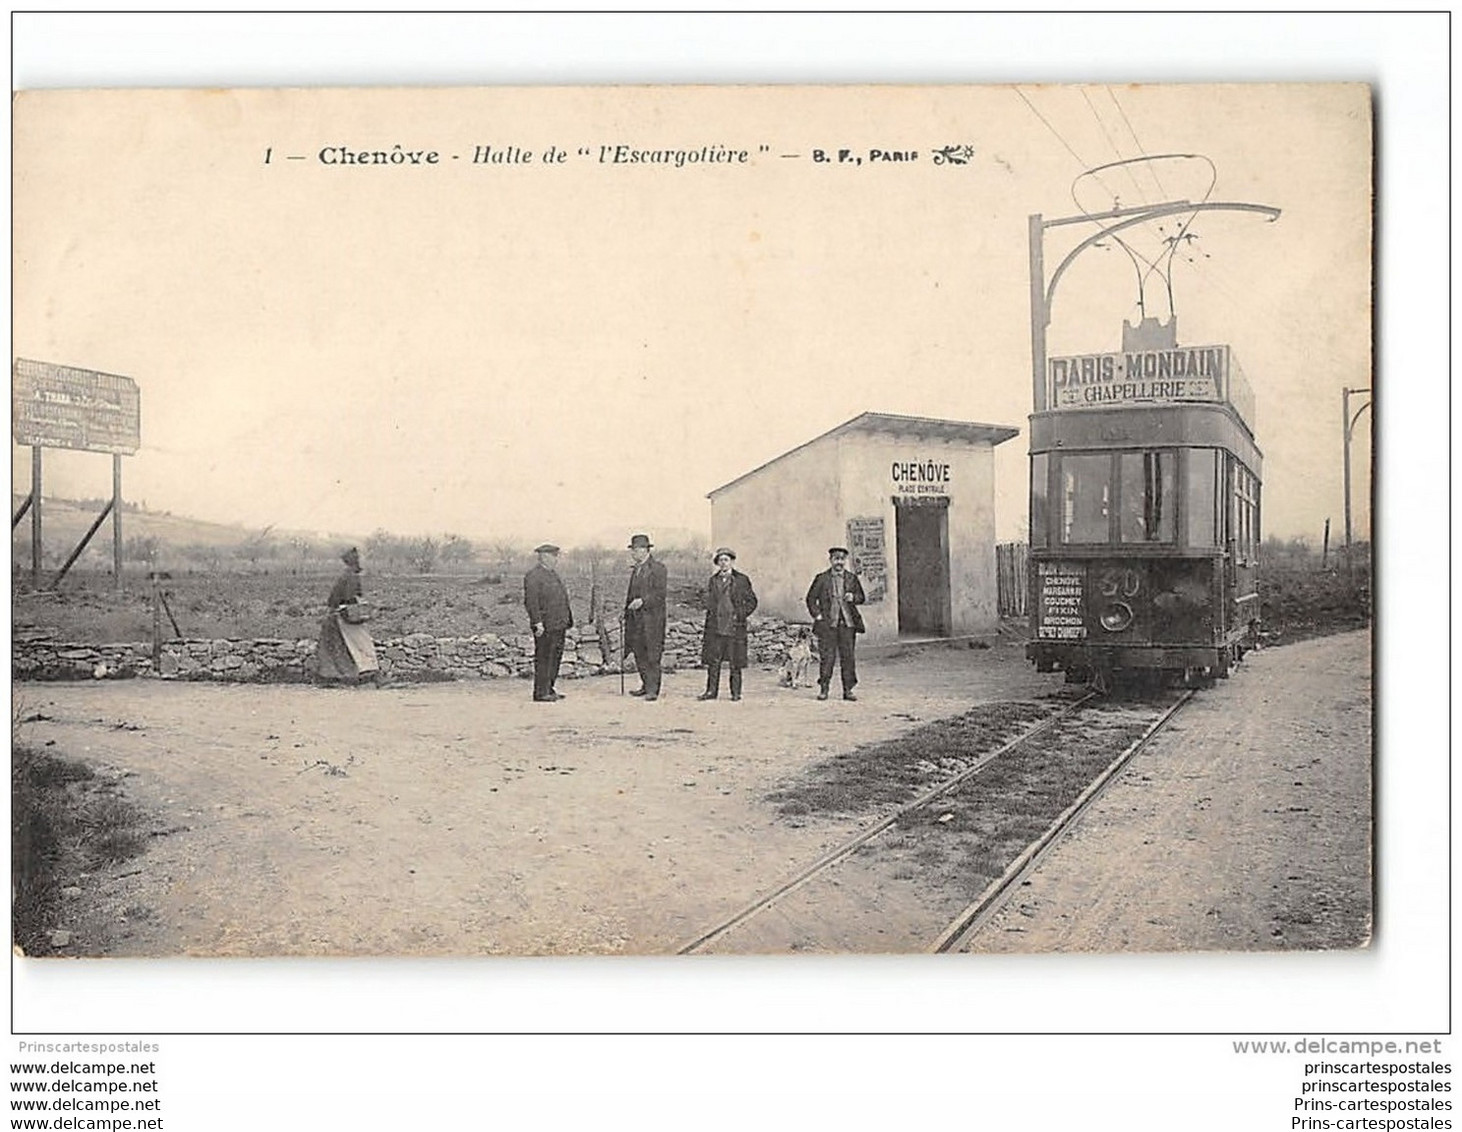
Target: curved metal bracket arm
{"x":1142,"y":218}
{"x":1351,"y":427}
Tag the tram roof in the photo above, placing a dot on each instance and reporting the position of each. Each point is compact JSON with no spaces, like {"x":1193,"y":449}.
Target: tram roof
{"x":895,"y":424}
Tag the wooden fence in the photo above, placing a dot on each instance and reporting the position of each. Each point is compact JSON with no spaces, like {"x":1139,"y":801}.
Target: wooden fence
{"x":1011,"y":565}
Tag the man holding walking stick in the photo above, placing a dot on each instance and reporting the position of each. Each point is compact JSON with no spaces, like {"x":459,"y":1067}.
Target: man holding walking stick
{"x":643,"y":631}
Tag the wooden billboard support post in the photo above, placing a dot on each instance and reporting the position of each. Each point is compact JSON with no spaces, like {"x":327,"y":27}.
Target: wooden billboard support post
{"x":117,"y":521}
{"x":86,"y":538}
{"x":114,"y":509}
{"x":35,"y":516}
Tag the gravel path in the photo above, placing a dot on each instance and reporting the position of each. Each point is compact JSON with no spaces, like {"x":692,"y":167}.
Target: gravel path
{"x":462,"y":819}
{"x":1245,"y":825}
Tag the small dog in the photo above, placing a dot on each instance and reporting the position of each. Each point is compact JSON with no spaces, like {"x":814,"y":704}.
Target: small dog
{"x":799,"y":657}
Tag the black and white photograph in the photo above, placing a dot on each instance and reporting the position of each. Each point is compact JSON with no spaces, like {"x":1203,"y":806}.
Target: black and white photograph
{"x":390,"y":402}
{"x":735,"y":526}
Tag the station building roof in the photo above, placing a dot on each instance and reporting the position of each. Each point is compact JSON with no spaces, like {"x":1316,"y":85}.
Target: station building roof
{"x":894,"y":424}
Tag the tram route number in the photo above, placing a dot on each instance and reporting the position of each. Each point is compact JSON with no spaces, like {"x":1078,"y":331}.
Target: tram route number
{"x":1062,"y":601}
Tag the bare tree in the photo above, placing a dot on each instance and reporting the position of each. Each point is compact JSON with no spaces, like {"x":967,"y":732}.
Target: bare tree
{"x":456,"y":551}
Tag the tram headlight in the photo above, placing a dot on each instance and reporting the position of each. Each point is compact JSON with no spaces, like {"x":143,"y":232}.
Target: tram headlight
{"x":1116,"y":616}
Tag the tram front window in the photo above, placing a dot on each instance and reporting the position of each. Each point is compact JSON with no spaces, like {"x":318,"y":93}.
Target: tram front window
{"x":1086,"y":492}
{"x":1038,"y":535}
{"x":1149,"y":496}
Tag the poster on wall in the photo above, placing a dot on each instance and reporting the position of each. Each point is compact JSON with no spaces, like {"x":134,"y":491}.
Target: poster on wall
{"x":870,"y":559}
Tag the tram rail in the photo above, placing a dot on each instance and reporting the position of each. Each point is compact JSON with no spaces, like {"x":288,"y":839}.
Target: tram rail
{"x":846,"y":848}
{"x":1065,"y":726}
{"x":973,"y":919}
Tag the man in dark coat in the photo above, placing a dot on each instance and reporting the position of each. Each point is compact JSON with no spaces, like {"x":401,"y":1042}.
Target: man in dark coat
{"x":644,"y":616}
{"x":729,"y":602}
{"x":833,"y":601}
{"x":548,"y":613}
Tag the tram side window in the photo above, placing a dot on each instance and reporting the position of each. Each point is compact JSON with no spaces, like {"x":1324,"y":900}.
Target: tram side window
{"x":1149,"y":494}
{"x":1200,"y":500}
{"x":1245,"y":514}
{"x":1086,"y":495}
{"x":1039,"y":509}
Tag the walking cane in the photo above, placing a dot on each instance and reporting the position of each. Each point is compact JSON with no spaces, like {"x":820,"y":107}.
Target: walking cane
{"x":621,"y":656}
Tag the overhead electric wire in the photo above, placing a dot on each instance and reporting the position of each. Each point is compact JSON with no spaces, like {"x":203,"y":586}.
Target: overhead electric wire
{"x":1057,"y":134}
{"x":1151,"y":168}
{"x":1152,"y":265}
{"x":1054,"y":131}
{"x":1113,"y":146}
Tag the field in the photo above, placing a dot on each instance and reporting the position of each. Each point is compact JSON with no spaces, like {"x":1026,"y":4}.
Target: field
{"x":1299,"y":600}
{"x":289,"y":606}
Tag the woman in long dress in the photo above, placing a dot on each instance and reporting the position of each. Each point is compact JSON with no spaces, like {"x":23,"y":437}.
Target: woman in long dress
{"x":345,"y":651}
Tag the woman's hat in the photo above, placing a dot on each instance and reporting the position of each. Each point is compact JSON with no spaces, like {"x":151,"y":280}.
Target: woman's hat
{"x":640,"y":541}
{"x":726,"y":550}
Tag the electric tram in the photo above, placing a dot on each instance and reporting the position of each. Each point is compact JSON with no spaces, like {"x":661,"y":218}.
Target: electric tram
{"x":1144,"y":513}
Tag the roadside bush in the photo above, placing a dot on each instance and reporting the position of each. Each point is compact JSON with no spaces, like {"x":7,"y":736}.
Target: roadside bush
{"x":64,"y":823}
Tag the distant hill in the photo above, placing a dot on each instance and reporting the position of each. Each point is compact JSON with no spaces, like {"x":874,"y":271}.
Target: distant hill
{"x":66,"y":520}
{"x":180,"y":541}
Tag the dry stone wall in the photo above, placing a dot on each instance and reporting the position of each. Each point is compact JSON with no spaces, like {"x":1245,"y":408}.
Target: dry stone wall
{"x":414,"y":657}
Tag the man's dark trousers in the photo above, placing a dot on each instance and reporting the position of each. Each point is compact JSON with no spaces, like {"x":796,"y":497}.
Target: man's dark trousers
{"x":720,"y":651}
{"x":547,"y":655}
{"x":837,"y":644}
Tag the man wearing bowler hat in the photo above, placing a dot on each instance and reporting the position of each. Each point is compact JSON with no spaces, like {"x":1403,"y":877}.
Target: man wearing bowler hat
{"x":729,"y":602}
{"x":644,"y":616}
{"x":550,"y":617}
{"x":833,"y":601}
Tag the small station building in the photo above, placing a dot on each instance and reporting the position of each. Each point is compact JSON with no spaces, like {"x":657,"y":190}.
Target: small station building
{"x":912,"y":498}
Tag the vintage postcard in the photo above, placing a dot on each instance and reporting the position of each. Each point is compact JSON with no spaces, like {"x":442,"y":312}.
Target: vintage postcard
{"x":593,"y":521}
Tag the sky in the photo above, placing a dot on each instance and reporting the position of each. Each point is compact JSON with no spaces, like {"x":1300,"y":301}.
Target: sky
{"x":571,"y":351}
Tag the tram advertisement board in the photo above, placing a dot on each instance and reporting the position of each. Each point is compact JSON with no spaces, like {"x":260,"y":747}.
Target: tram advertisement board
{"x":61,"y":407}
{"x":1059,"y":600}
{"x":868,"y":547}
{"x":1093,"y":381}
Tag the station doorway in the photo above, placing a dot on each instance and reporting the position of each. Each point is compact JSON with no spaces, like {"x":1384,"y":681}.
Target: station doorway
{"x":921,"y":537}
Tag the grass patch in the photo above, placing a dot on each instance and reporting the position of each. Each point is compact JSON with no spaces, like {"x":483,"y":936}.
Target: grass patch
{"x":1298,"y":599}
{"x":66,"y":823}
{"x":881,"y":775}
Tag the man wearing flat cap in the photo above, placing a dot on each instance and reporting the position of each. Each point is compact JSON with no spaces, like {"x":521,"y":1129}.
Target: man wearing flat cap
{"x":729,"y":602}
{"x":833,"y":601}
{"x":644,"y":616}
{"x":549,"y":615}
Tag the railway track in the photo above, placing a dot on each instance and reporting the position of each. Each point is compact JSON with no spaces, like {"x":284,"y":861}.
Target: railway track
{"x":973,"y":919}
{"x":985,"y":824}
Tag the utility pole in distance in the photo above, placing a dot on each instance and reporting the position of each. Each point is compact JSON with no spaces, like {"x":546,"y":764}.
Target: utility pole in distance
{"x":1348,"y":422}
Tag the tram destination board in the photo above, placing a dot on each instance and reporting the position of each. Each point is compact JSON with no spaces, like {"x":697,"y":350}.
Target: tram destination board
{"x":62,"y":407}
{"x":1062,"y":587}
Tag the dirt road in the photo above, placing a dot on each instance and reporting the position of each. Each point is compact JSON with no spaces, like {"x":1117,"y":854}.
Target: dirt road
{"x":1245,"y":825}
{"x":462,"y":819}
